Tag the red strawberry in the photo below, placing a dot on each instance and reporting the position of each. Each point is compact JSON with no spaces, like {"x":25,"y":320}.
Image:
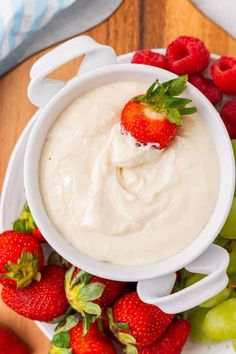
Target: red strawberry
{"x":21,"y":259}
{"x":136,"y":323}
{"x":207,"y":87}
{"x":41,"y":301}
{"x":187,"y":55}
{"x":228,"y":114}
{"x":223,"y":72}
{"x":37,"y":234}
{"x":87,"y":293}
{"x":154,"y":118}
{"x":111,"y":291}
{"x":11,"y":344}
{"x":172,"y":341}
{"x":94,"y":342}
{"x":148,"y":57}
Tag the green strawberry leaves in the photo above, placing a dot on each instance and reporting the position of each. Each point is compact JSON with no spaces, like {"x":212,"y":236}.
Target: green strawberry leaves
{"x":25,"y":223}
{"x":69,"y":322}
{"x":81,"y":293}
{"x":63,"y":317}
{"x":131,"y":349}
{"x":61,"y":340}
{"x":57,"y":350}
{"x":124,"y":337}
{"x":161,"y":97}
{"x":24,"y":270}
{"x":176,"y":86}
{"x":174,"y":116}
{"x":91,"y":292}
{"x":87,"y":320}
{"x":187,"y":111}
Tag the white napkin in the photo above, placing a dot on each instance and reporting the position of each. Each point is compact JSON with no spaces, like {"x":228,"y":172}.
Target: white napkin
{"x":222,"y":12}
{"x":19,"y":19}
{"x":28,"y":26}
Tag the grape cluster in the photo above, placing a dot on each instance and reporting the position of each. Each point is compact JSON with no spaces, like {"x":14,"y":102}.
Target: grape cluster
{"x":215,"y":319}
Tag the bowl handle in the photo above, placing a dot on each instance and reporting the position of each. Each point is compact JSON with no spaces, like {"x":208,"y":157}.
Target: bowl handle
{"x":41,"y":89}
{"x":213,"y":263}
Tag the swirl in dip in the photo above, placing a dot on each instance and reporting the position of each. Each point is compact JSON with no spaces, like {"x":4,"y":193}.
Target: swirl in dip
{"x":120,"y":203}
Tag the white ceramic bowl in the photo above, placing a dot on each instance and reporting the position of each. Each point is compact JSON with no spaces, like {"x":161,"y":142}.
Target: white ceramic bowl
{"x":53,"y":96}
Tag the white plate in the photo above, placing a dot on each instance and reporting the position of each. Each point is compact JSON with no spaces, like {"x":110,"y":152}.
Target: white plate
{"x":13,"y":198}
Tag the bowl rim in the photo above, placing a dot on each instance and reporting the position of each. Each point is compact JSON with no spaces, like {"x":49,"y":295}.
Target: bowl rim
{"x":113,"y":271}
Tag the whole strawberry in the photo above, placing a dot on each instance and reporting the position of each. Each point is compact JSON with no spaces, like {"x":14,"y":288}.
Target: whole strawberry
{"x":21,"y":259}
{"x":41,"y":301}
{"x":172,"y":340}
{"x":75,"y":342}
{"x":154,"y":118}
{"x":88,"y":294}
{"x":135,"y":323}
{"x":11,"y":344}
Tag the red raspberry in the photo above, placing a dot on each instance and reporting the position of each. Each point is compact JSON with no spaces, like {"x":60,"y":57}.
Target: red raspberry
{"x":187,"y":55}
{"x":228,"y":114}
{"x":148,"y":57}
{"x":223,"y":72}
{"x":207,"y":87}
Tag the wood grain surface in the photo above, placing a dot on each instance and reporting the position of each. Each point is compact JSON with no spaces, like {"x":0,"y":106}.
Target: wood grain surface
{"x":136,"y":24}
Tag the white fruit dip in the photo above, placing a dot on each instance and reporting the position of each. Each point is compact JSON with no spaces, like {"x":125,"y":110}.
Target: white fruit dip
{"x":117,"y":202}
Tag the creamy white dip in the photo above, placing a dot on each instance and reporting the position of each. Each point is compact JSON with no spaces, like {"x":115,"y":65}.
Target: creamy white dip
{"x":117,"y":202}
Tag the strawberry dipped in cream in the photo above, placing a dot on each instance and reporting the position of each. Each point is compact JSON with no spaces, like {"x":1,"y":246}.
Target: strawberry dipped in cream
{"x":130,"y":178}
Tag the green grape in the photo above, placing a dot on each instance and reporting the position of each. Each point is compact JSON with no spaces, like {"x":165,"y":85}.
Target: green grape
{"x":196,"y":318}
{"x":233,"y":293}
{"x":229,"y":228}
{"x":230,"y":246}
{"x":194,"y":279}
{"x":220,"y":321}
{"x":232,"y":257}
{"x":232,"y":283}
{"x":217,"y":299}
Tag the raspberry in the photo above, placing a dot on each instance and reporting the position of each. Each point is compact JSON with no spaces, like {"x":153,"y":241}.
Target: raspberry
{"x":187,"y":55}
{"x":207,"y":87}
{"x":223,"y":72}
{"x":228,"y":114}
{"x":148,"y":57}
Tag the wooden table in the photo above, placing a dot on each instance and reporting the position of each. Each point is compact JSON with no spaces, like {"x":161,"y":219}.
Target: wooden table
{"x":136,"y":24}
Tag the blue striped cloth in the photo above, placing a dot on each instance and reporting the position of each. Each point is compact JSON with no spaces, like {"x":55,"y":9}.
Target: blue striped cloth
{"x":19,"y":19}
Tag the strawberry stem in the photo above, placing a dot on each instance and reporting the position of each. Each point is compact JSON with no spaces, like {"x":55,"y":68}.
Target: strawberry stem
{"x":162,"y":98}
{"x":124,"y":337}
{"x":24,"y":270}
{"x":25,"y":223}
{"x":81,"y":293}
